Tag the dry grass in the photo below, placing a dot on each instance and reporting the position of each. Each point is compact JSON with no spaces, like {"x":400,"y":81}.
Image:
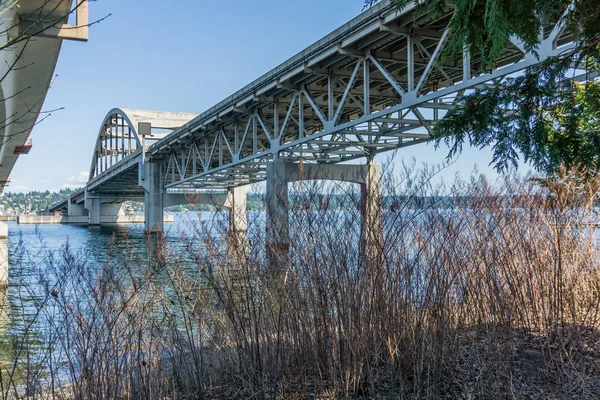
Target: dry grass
{"x":491,"y":294}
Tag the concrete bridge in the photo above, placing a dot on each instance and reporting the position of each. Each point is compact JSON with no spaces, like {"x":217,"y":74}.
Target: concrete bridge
{"x":31,"y":35}
{"x":118,"y":167}
{"x":373,"y":85}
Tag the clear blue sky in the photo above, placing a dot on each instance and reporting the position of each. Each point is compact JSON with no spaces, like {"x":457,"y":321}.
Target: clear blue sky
{"x":181,"y":55}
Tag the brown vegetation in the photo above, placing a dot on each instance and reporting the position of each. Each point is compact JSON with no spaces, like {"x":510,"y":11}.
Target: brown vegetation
{"x":493,"y":296}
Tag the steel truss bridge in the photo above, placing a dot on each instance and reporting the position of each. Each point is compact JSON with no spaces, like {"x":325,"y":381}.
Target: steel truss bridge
{"x":375,"y":84}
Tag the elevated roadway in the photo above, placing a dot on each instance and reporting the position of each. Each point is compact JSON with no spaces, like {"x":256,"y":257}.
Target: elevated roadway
{"x":378,"y":83}
{"x":31,"y":35}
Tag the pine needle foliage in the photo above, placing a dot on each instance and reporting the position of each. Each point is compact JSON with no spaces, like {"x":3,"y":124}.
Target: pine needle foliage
{"x":485,"y":26}
{"x":542,"y":116}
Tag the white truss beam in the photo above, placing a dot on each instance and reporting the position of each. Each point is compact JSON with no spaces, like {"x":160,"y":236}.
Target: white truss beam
{"x":374,"y":85}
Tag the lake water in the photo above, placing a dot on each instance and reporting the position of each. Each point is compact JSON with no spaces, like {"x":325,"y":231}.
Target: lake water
{"x":34,"y":248}
{"x":36,"y":251}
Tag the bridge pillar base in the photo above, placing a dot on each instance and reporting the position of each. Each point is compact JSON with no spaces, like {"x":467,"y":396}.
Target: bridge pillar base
{"x":279,"y":173}
{"x":153,"y":199}
{"x":371,"y":228}
{"x":238,"y":223}
{"x":277,"y":208}
{"x":75,"y":210}
{"x":94,"y":207}
{"x":3,"y":255}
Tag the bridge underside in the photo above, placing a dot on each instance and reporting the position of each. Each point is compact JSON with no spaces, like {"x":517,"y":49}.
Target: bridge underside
{"x":32,"y":33}
{"x":121,"y":187}
{"x":376,"y":84}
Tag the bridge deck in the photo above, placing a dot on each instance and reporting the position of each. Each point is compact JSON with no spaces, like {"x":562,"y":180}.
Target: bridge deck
{"x":376,"y":84}
{"x":27,"y":68}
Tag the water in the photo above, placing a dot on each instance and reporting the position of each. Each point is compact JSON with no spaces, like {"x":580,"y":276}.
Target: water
{"x":37,"y":252}
{"x":33,"y":249}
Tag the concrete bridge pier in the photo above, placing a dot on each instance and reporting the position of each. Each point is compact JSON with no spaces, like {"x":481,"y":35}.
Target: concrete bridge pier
{"x":96,"y":210}
{"x":94,"y":207}
{"x":153,"y":198}
{"x":371,"y":228}
{"x":3,"y":257}
{"x":277,"y":208}
{"x":75,"y":210}
{"x":237,"y":202}
{"x":280,"y":173}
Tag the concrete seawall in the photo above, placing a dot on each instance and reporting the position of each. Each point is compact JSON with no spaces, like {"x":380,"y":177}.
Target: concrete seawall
{"x":84,"y":220}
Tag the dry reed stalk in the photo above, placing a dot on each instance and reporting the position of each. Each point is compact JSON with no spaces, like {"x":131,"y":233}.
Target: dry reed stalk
{"x":481,"y":291}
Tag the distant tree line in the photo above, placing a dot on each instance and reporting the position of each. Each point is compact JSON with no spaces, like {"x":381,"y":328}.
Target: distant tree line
{"x":33,"y":201}
{"x":38,"y":201}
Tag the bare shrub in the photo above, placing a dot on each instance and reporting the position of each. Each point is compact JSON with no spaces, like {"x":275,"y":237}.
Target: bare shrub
{"x":481,"y":291}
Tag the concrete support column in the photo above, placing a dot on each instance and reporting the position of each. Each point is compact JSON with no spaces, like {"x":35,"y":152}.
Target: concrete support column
{"x":113,"y":211}
{"x":277,"y":204}
{"x":94,"y":211}
{"x":75,"y":210}
{"x":4,"y":310}
{"x":279,"y":173}
{"x":371,"y":232}
{"x":3,"y":256}
{"x":237,"y":201}
{"x":153,"y":198}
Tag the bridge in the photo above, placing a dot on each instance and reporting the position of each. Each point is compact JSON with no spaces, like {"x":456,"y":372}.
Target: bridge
{"x":31,"y":35}
{"x":377,"y":83}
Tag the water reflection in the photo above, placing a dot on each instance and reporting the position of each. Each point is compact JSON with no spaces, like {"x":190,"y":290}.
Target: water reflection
{"x":31,"y":246}
{"x":38,"y":255}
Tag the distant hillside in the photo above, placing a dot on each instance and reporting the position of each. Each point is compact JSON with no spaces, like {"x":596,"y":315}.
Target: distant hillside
{"x":23,"y":203}
{"x":32,"y":202}
{"x":35,"y":201}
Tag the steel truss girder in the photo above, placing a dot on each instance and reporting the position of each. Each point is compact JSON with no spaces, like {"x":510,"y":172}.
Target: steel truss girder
{"x":372,"y":91}
{"x":317,"y":127}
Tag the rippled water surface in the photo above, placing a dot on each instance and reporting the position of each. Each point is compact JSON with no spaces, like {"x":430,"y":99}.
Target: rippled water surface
{"x":33,"y":249}
{"x":36,"y":252}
